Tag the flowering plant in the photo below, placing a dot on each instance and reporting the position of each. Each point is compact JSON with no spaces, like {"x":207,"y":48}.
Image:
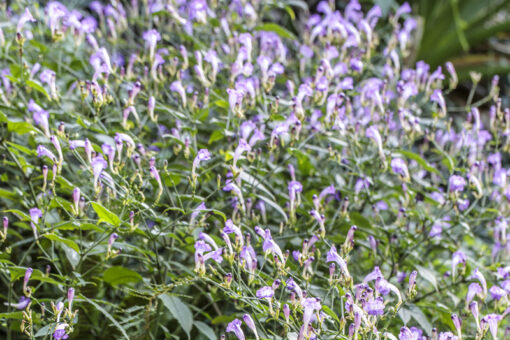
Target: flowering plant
{"x":193,"y":168}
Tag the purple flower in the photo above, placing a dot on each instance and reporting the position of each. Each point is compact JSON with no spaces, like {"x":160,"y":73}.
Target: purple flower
{"x":497,"y":292}
{"x":25,"y":17}
{"x":457,"y":183}
{"x":492,"y":320}
{"x":294,"y":188}
{"x":235,"y":327}
{"x":473,"y":289}
{"x":152,"y":37}
{"x":98,"y":165}
{"x":112,"y":239}
{"x":310,"y":305}
{"x":230,"y":227}
{"x":202,"y":155}
{"x":399,"y":167}
{"x":242,"y":147}
{"x":361,"y":183}
{"x":405,"y":334}
{"x":266,"y":292}
{"x":457,"y":258}
{"x":42,"y":151}
{"x":176,"y":86}
{"x":35,"y":215}
{"x":251,"y":324}
{"x":269,"y":245}
{"x":477,"y":274}
{"x":375,"y":306}
{"x":437,"y":96}
{"x":412,"y":280}
{"x":22,"y":303}
{"x":333,"y":256}
{"x":28,"y":274}
{"x":457,"y":322}
{"x":76,"y":198}
{"x":198,"y":10}
{"x":70,"y":297}
{"x":60,"y":331}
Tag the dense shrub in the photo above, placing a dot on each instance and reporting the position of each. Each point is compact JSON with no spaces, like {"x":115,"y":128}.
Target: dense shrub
{"x":192,"y":169}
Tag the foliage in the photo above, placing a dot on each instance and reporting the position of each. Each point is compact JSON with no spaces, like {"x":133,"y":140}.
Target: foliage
{"x":194,"y":170}
{"x":465,"y":32}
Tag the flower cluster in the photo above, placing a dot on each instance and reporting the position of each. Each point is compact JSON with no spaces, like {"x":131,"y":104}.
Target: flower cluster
{"x":304,"y":184}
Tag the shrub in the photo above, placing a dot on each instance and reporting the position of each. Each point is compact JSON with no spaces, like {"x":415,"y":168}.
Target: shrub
{"x":195,"y":169}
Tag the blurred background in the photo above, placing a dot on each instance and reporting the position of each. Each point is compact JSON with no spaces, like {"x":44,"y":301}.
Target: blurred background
{"x":473,"y":34}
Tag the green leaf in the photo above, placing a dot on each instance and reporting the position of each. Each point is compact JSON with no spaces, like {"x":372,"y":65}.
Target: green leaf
{"x":421,"y":318}
{"x":328,"y":311}
{"x":105,"y":215}
{"x":205,"y":330}
{"x":419,"y":160}
{"x":120,"y":275}
{"x":12,"y":315}
{"x":108,"y":316}
{"x":222,"y":319}
{"x":428,"y":275}
{"x":20,"y":127}
{"x":46,"y":330}
{"x":71,"y":244}
{"x":36,"y":86}
{"x":216,"y":136}
{"x":72,"y":255}
{"x":405,"y":315}
{"x":179,"y":310}
{"x":359,"y":220}
{"x":275,"y":206}
{"x":272,"y":27}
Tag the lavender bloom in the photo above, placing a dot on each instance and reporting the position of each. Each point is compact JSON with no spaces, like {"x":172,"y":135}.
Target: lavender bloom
{"x":412,"y":280}
{"x":5,"y":223}
{"x":437,"y":96}
{"x":479,"y":276}
{"x":251,"y":324}
{"x":497,"y":292}
{"x":230,"y":227}
{"x":457,"y":183}
{"x":40,"y":117}
{"x":152,"y":37}
{"x":98,"y":165}
{"x":235,"y":327}
{"x":196,"y":211}
{"x":399,"y":167}
{"x":269,"y":245}
{"x":294,"y":187}
{"x":375,"y":306}
{"x":333,"y":256}
{"x":25,"y":17}
{"x":70,"y":298}
{"x":198,"y":11}
{"x":492,"y":320}
{"x":28,"y":273}
{"x":266,"y":292}
{"x":42,"y":151}
{"x":242,"y":147}
{"x":23,"y":302}
{"x":176,"y":86}
{"x":457,"y":258}
{"x":76,"y":198}
{"x":457,"y":322}
{"x":35,"y":215}
{"x":202,"y":155}
{"x":60,"y":331}
{"x":473,"y":289}
{"x":310,"y":305}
